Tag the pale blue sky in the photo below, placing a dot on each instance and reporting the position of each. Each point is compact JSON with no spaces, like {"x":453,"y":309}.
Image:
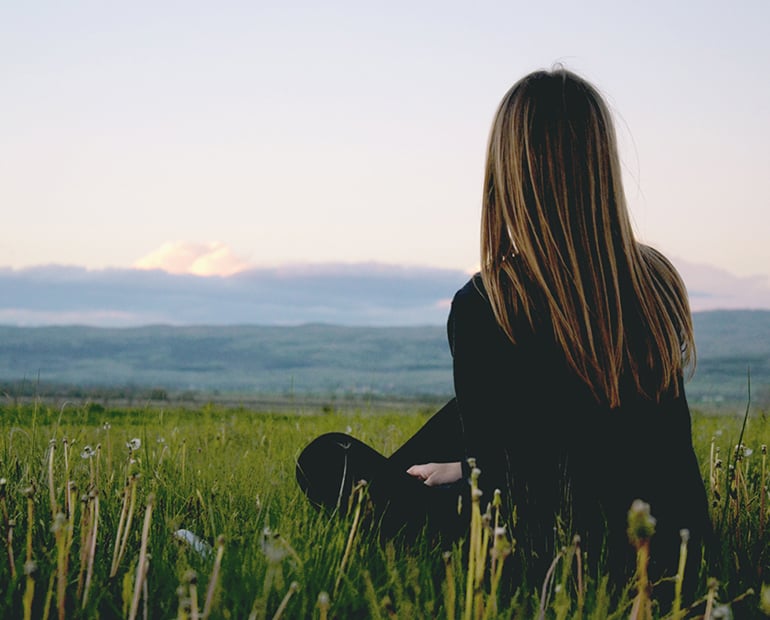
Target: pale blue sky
{"x":355,"y":131}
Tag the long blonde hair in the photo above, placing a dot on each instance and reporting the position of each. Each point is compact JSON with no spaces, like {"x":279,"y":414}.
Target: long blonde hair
{"x":557,"y":239}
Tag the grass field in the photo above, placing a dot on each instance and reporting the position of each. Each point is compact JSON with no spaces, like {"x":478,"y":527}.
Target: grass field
{"x":90,"y":500}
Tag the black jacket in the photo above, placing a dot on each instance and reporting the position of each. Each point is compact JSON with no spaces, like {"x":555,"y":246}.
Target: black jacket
{"x":564,"y":463}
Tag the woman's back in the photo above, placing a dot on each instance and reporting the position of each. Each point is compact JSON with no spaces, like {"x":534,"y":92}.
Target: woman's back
{"x":562,"y":458}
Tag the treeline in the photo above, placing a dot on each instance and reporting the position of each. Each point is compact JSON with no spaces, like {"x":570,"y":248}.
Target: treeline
{"x":31,"y":389}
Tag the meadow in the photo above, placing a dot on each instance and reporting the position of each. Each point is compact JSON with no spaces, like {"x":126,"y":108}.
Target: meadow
{"x":149,"y":512}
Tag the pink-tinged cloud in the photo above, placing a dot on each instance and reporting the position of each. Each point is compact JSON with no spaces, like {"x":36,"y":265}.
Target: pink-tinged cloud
{"x":200,"y":259}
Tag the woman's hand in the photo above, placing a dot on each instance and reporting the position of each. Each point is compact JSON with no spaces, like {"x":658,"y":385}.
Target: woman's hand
{"x":434,"y":474}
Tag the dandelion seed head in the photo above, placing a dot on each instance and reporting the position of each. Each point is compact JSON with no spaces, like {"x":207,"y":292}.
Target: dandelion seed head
{"x":134,"y":444}
{"x":718,"y":432}
{"x":58,"y":522}
{"x":742,"y":451}
{"x":271,"y":546}
{"x":106,"y":426}
{"x":87,"y":452}
{"x":30,"y":566}
{"x":3,"y":482}
{"x":323,"y":599}
{"x":190,"y":576}
{"x":684,"y":534}
{"x":641,"y":524}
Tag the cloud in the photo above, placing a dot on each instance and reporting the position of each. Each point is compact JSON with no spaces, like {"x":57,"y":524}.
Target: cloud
{"x":355,"y":294}
{"x":200,"y":259}
{"x":344,"y":294}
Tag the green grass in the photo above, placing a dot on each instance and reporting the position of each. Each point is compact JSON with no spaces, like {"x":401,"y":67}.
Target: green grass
{"x":228,"y":476}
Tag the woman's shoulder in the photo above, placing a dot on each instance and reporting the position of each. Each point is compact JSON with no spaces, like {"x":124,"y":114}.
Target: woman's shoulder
{"x":470,"y":308}
{"x":471,"y":305}
{"x":472,"y":291}
{"x":472,"y":299}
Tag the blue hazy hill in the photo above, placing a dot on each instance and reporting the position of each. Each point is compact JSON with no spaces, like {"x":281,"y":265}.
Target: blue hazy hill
{"x":327,"y":359}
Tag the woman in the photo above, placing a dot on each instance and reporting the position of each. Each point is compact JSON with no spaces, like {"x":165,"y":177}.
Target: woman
{"x":569,"y":350}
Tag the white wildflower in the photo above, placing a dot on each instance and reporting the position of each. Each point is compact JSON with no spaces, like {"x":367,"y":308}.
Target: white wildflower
{"x":200,"y":546}
{"x":722,"y":612}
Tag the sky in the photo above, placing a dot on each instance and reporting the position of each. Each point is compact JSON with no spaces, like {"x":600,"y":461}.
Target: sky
{"x":209,"y":138}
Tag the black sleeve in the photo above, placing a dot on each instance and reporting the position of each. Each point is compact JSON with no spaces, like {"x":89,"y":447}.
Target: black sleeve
{"x":484,"y":380}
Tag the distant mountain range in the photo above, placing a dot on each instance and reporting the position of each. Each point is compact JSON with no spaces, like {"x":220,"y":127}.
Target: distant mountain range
{"x":326,"y":359}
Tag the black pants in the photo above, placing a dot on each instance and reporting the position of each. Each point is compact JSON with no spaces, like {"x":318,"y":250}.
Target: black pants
{"x":330,"y":465}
